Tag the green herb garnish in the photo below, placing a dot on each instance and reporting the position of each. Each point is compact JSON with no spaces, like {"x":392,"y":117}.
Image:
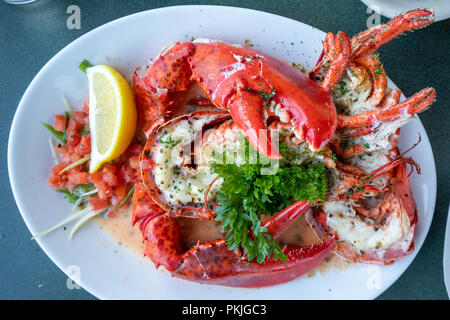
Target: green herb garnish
{"x":341,"y":86}
{"x":169,"y":142}
{"x":84,"y":131}
{"x":79,"y":194}
{"x":124,"y":199}
{"x":61,"y":136}
{"x":84,"y":65}
{"x":71,"y":197}
{"x":245,"y":194}
{"x":83,"y":189}
{"x":265,"y":95}
{"x":76,"y":163}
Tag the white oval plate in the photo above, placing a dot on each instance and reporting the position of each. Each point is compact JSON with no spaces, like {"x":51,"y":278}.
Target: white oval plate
{"x":392,"y":8}
{"x":110,"y":271}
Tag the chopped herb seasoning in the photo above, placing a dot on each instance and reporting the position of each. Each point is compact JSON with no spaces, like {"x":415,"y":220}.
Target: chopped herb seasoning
{"x":341,"y":87}
{"x":169,"y":142}
{"x":265,"y":95}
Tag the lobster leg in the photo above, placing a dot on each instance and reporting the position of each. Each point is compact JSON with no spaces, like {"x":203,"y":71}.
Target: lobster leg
{"x":390,"y":100}
{"x":335,"y":57}
{"x":379,"y":79}
{"x":353,"y":150}
{"x":419,"y":102}
{"x":369,"y":41}
{"x":357,"y":132}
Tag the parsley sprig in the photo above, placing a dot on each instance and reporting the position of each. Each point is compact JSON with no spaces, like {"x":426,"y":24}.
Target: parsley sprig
{"x":78,"y":195}
{"x":245,"y":194}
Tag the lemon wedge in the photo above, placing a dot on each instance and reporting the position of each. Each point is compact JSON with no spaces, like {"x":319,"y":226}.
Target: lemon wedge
{"x":112,"y":114}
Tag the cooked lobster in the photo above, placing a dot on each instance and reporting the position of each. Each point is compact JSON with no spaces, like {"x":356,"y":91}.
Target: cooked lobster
{"x":251,"y":93}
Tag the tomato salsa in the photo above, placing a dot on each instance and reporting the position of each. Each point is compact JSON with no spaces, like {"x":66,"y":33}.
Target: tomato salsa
{"x":113,"y":182}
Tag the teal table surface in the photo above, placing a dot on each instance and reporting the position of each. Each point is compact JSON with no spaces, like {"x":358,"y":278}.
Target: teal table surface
{"x":31,"y":34}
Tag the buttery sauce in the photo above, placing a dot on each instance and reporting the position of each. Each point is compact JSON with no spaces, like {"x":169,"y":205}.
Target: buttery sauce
{"x":298,"y":234}
{"x":119,"y":228}
{"x":194,"y":230}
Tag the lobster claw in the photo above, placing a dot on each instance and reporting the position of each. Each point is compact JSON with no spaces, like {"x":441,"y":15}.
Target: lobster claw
{"x":247,"y":111}
{"x":240,"y":79}
{"x":199,"y":264}
{"x":212,"y":262}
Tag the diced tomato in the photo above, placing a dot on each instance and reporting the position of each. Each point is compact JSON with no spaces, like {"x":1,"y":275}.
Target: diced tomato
{"x":80,"y":117}
{"x":61,"y":148}
{"x":74,"y":157}
{"x":120,"y":191}
{"x":98,"y":204}
{"x":95,"y":177}
{"x":60,"y":123}
{"x":78,"y":177}
{"x":104,"y":191}
{"x":65,"y":157}
{"x":73,"y":138}
{"x":111,"y":168}
{"x":70,"y":186}
{"x":134,"y":162}
{"x":86,"y":107}
{"x":115,"y":200}
{"x":57,"y":169}
{"x":84,"y":147}
{"x":57,"y":181}
{"x":110,"y":179}
{"x":125,"y":174}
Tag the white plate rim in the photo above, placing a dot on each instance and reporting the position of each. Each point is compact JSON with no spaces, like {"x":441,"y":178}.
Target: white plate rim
{"x":53,"y":255}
